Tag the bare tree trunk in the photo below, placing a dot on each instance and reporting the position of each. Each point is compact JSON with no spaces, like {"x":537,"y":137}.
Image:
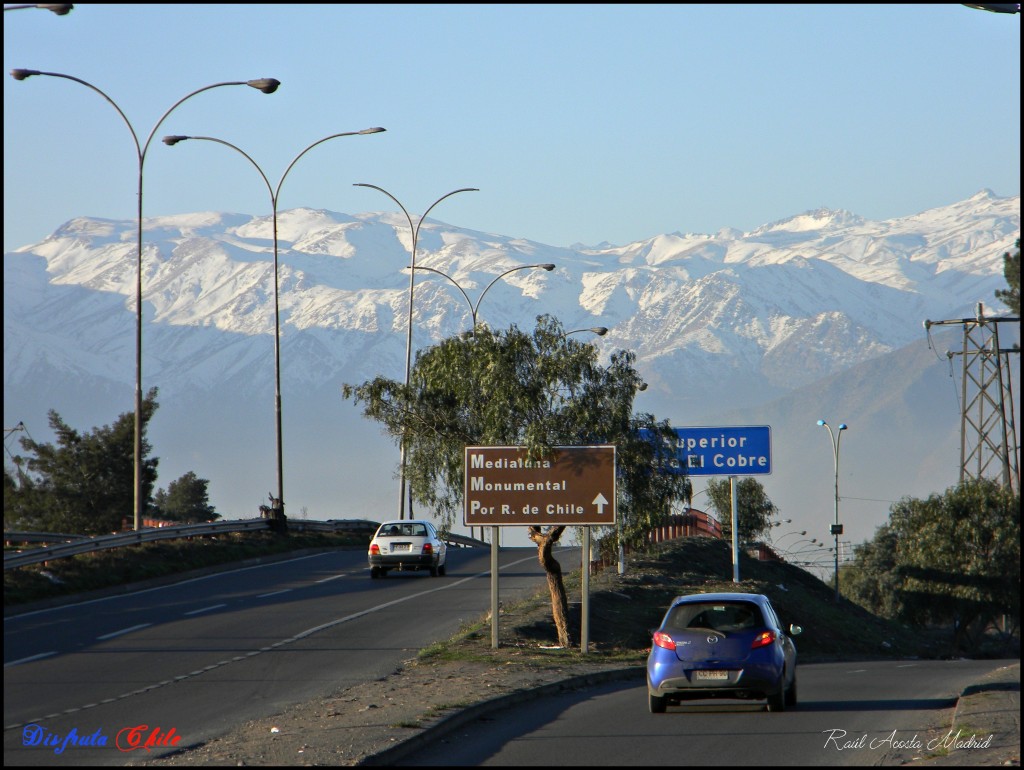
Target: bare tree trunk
{"x":553,"y":570}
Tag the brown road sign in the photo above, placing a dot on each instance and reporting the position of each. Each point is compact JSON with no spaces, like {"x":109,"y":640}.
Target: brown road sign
{"x":574,"y":485}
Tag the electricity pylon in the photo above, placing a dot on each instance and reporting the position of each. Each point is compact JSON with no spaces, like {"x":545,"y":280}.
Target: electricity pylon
{"x":988,"y":435}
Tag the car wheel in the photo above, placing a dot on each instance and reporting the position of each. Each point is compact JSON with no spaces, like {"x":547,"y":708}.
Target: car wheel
{"x":656,"y":703}
{"x":777,"y":702}
{"x":791,"y":693}
{"x":374,"y":572}
{"x":441,"y":570}
{"x":433,"y":572}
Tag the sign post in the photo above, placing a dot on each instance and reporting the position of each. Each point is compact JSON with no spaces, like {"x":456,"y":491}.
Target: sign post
{"x":571,"y":486}
{"x":732,"y":451}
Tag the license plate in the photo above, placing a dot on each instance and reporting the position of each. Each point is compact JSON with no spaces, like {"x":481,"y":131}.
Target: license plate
{"x":716,"y":675}
{"x":399,"y":547}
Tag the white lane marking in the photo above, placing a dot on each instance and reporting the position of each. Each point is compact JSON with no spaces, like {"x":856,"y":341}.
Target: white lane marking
{"x":274,"y":593}
{"x":122,"y":631}
{"x":205,"y":609}
{"x":13,"y":618}
{"x":332,"y":577}
{"x":30,"y":658}
{"x":268,"y":648}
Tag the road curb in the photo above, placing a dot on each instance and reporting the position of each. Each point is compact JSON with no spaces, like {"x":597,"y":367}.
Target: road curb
{"x":989,"y":707}
{"x":456,"y":720}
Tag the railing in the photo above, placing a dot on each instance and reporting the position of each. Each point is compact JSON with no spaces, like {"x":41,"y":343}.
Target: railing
{"x":694,"y":523}
{"x":121,"y":539}
{"x":81,"y":544}
{"x":39,"y":537}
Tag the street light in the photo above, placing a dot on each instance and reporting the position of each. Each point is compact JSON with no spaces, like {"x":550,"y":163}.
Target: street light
{"x":61,"y":9}
{"x":408,"y":338}
{"x":777,"y":543}
{"x":274,"y":197}
{"x":265,"y":85}
{"x":600,"y":331}
{"x":474,"y":309}
{"x":813,"y":541}
{"x":837,"y":528}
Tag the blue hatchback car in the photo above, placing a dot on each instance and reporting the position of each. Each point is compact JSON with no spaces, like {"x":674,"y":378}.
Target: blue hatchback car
{"x":722,"y":645}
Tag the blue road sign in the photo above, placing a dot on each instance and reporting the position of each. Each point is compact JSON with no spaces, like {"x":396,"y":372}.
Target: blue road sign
{"x":731,"y":451}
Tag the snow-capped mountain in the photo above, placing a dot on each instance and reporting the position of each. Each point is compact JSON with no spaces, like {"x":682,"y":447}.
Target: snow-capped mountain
{"x":721,"y":324}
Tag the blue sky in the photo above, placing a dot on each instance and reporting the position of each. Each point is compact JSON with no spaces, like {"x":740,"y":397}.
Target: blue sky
{"x":579,"y":123}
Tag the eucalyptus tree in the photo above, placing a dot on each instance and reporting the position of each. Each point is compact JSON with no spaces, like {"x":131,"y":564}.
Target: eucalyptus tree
{"x":754,"y":509}
{"x":84,"y":482}
{"x":1010,"y":296}
{"x":537,"y":390}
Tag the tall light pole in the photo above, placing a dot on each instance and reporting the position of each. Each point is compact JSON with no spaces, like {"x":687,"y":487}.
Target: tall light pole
{"x":415,"y":228}
{"x":274,"y":198}
{"x":837,"y":528}
{"x":474,"y":309}
{"x":265,"y":85}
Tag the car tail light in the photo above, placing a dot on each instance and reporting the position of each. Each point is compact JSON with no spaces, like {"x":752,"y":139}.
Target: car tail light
{"x":661,"y":639}
{"x":374,"y":548}
{"x":762,"y":639}
{"x":428,"y":548}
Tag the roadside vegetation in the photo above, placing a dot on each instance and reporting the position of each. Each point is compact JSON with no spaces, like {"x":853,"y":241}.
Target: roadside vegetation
{"x":951,"y":560}
{"x":84,"y":482}
{"x":624,"y":609}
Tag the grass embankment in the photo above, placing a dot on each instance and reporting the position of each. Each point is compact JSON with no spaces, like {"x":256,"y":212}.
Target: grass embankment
{"x":146,"y":561}
{"x":623,"y":609}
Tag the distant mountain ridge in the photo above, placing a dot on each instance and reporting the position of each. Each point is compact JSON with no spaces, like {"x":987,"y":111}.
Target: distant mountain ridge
{"x":719,"y":323}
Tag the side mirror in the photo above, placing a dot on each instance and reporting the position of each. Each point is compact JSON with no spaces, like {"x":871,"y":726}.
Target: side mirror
{"x":795,"y":630}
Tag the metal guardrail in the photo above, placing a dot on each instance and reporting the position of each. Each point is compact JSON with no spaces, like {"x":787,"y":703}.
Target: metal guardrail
{"x":82,"y":544}
{"x":121,"y":539}
{"x":40,"y":537}
{"x":464,"y":542}
{"x":350,"y":526}
{"x":367,"y":527}
{"x":148,"y":535}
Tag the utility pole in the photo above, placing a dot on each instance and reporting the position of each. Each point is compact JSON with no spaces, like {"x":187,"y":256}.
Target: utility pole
{"x":988,"y":435}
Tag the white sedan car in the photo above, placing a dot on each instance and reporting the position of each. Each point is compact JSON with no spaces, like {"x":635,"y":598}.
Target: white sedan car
{"x":406,"y":545}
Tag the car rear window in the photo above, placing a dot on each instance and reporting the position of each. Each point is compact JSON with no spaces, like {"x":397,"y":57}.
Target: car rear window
{"x":403,"y":530}
{"x":718,"y":616}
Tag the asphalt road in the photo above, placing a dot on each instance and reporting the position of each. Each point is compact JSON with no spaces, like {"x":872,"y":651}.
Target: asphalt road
{"x":871,"y":713}
{"x":196,"y":658}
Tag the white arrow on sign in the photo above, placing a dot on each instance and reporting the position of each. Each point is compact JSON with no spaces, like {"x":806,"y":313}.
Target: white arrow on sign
{"x":600,"y":502}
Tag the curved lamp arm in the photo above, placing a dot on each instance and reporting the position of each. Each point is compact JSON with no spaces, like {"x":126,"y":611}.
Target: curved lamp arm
{"x":547,"y":266}
{"x":274,"y":194}
{"x":472,"y":310}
